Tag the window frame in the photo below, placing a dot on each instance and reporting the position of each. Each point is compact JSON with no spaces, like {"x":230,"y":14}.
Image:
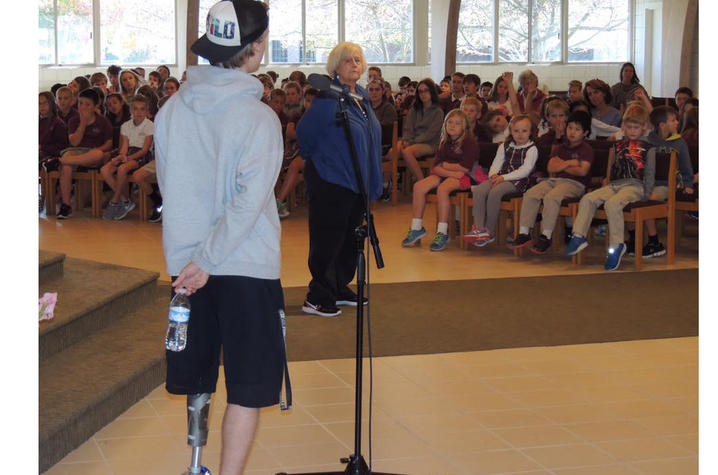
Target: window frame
{"x":564,"y":40}
{"x":97,"y":42}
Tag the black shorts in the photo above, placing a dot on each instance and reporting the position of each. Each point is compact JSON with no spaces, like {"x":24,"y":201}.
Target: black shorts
{"x":240,"y":315}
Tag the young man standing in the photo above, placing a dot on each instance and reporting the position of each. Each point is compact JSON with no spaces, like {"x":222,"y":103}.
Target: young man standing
{"x":219,"y":151}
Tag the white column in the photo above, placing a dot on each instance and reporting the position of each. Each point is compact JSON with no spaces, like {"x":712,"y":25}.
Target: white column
{"x":439,"y":25}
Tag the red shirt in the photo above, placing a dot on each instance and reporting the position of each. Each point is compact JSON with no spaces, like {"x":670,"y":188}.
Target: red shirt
{"x":465,"y":155}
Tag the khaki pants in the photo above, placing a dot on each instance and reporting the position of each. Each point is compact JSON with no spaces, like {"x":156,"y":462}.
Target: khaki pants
{"x":614,"y":198}
{"x":552,"y":191}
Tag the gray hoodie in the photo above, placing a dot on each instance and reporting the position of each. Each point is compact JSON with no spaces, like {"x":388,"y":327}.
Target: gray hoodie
{"x":219,"y":151}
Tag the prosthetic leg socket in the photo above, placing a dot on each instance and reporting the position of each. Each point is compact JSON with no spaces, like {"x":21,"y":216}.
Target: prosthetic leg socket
{"x":197,"y":429}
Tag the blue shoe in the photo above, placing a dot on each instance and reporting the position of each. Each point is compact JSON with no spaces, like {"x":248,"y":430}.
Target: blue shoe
{"x":439,"y":242}
{"x":412,"y":236}
{"x":576,"y":245}
{"x":613,"y":258}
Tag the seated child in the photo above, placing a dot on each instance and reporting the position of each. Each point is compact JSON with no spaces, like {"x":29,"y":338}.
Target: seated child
{"x":510,"y":172}
{"x":630,"y":178}
{"x":485,"y":90}
{"x":113,"y":73}
{"x":145,"y":177}
{"x":575,"y":91}
{"x":52,"y":130}
{"x":118,"y":112}
{"x":664,"y":137}
{"x":553,"y":119}
{"x":689,"y":127}
{"x":91,"y":135}
{"x":456,"y":155}
{"x":66,"y":102}
{"x":569,"y":166}
{"x":170,"y":86}
{"x":497,"y":124}
{"x":100,"y":80}
{"x":277,"y":99}
{"x":682,"y":94}
{"x":135,"y":143}
{"x":155,"y":79}
{"x":293,"y":104}
{"x":472,"y":107}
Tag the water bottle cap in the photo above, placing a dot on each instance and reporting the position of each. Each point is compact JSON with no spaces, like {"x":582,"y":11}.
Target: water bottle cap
{"x":181,"y":290}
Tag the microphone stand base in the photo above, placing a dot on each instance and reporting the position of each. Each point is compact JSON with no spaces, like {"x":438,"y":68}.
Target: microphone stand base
{"x":355,"y":466}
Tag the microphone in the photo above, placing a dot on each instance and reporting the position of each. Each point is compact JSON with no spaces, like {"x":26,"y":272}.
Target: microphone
{"x":323,"y":83}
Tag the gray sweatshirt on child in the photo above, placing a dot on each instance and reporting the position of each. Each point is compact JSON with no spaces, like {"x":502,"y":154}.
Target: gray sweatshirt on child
{"x":219,"y":151}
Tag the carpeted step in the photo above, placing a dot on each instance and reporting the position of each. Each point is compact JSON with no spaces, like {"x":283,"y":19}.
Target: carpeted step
{"x":90,"y":296}
{"x":88,"y":385}
{"x":51,"y":265}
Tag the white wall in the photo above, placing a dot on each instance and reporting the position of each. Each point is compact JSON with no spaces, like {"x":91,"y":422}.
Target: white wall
{"x":552,"y":77}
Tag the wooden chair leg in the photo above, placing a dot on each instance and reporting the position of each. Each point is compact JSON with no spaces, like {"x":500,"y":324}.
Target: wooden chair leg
{"x":671,"y":230}
{"x":639,"y":242}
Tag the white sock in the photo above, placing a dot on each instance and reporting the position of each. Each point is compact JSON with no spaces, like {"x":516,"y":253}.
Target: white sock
{"x":417,"y":224}
{"x":523,"y":229}
{"x":443,"y":228}
{"x":547,"y":233}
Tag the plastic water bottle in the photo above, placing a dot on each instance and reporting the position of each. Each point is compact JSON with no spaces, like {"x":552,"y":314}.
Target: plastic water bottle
{"x":176,"y":338}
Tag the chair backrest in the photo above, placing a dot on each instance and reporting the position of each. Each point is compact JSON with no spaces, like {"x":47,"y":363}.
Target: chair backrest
{"x":599,"y":167}
{"x":544,"y":155}
{"x":659,"y":101}
{"x":664,"y":162}
{"x":693,"y":152}
{"x":487,"y":152}
{"x":600,"y":144}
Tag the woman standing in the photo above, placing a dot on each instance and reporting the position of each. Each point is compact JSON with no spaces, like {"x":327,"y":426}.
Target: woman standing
{"x":335,"y":206}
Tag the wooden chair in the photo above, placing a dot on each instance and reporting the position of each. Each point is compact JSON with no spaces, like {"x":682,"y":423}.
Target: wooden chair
{"x":686,"y":202}
{"x":84,"y":184}
{"x":390,"y":162}
{"x":639,"y":211}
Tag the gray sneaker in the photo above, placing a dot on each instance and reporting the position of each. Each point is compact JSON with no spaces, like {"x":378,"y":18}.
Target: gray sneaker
{"x":124,"y":208}
{"x":111,"y":210}
{"x":282,"y":209}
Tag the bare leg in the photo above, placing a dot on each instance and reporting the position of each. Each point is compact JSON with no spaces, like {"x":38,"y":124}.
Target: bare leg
{"x":123,"y":172}
{"x":88,"y":159}
{"x":238,"y":428}
{"x":411,"y":162}
{"x":442,"y":195}
{"x":290,"y":180}
{"x":108,"y":174}
{"x":651,"y":227}
{"x":142,"y":178}
{"x":421,"y":188}
{"x":66,"y":182}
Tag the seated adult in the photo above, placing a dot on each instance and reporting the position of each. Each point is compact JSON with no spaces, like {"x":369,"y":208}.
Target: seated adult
{"x":530,"y":97}
{"x":90,"y":133}
{"x":422,"y":127}
{"x":621,"y":91}
{"x":384,"y":111}
{"x":598,"y":94}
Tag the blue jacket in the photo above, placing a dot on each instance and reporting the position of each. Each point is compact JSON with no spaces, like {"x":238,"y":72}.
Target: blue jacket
{"x":321,"y":139}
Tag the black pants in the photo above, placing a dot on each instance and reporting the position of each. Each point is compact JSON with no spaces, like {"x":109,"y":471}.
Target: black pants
{"x":334,"y":214}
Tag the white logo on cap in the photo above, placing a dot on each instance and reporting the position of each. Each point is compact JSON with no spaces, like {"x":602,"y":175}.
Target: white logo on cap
{"x":222,"y":25}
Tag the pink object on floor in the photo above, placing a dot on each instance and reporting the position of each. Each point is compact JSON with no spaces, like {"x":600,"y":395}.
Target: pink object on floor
{"x":47,"y":305}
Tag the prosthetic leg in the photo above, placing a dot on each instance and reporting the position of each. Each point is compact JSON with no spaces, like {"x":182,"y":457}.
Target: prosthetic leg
{"x":197,"y":430}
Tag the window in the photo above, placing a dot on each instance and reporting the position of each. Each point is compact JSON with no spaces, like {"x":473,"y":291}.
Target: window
{"x":46,"y":39}
{"x":137,"y":32}
{"x":74,"y":32}
{"x":598,"y":31}
{"x":322,"y":29}
{"x":285,"y":31}
{"x":383,"y":29}
{"x":546,"y":31}
{"x":475,"y":37}
{"x":204,"y":6}
{"x":532,"y":30}
{"x":289,"y":43}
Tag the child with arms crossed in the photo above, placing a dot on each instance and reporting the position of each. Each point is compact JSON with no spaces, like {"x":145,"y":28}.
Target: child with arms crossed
{"x":456,"y":155}
{"x":570,"y":164}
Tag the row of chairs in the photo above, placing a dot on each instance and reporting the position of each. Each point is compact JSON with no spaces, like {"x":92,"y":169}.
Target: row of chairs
{"x":88,"y":187}
{"x":666,"y":166}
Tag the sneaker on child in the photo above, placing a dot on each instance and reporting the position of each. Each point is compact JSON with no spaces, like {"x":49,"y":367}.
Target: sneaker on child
{"x":156,"y":216}
{"x":321,"y":310}
{"x":613,"y":258}
{"x":542,"y":245}
{"x":124,"y":208}
{"x":111,"y":210}
{"x":576,"y":245}
{"x":476,"y":234}
{"x":282,"y":209}
{"x":65,"y":211}
{"x":653,"y":249}
{"x":412,"y":236}
{"x":485,"y":239}
{"x":439,"y":242}
{"x":522,"y":240}
{"x":386,"y":192}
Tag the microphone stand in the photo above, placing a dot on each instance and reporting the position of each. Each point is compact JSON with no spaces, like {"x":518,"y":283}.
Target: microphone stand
{"x":356,"y":464}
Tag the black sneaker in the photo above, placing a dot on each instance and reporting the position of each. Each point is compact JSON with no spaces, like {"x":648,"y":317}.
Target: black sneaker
{"x":631,"y":248}
{"x":156,"y":216}
{"x":653,"y":249}
{"x":349,"y":299}
{"x":541,"y":245}
{"x":321,"y":310}
{"x":567,"y":234}
{"x":522,"y":240}
{"x":386,"y":192}
{"x":65,"y":211}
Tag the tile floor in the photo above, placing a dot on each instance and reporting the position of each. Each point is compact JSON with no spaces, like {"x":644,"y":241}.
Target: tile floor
{"x":601,"y":409}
